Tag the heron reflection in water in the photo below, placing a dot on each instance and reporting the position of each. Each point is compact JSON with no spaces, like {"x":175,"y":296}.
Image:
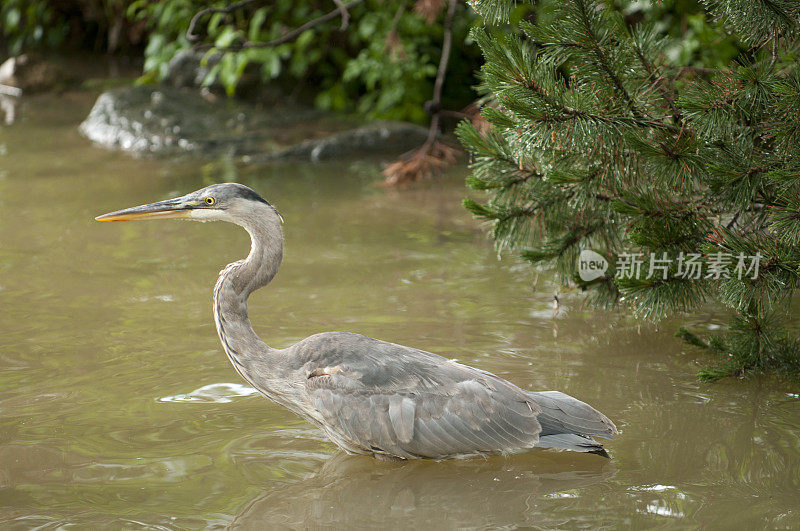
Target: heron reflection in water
{"x":369,"y":396}
{"x":520,"y":490}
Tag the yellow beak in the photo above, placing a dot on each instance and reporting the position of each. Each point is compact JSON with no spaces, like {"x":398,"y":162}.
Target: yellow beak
{"x":178,"y":208}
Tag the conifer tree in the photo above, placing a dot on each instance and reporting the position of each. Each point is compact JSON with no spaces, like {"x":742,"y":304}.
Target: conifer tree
{"x":686,"y":180}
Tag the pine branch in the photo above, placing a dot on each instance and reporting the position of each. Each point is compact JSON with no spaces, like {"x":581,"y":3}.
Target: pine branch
{"x":656,"y":78}
{"x":689,"y":163}
{"x":758,"y":21}
{"x":601,"y":57}
{"x":720,"y":371}
{"x":690,"y":337}
{"x":494,"y":11}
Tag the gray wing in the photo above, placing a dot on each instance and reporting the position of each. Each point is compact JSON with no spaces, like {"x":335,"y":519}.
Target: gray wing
{"x":377,"y":397}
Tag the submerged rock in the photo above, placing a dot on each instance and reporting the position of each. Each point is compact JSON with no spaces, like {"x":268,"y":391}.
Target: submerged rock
{"x":166,"y":120}
{"x":169,"y":120}
{"x":375,"y":138}
{"x":25,"y":74}
{"x":31,"y":73}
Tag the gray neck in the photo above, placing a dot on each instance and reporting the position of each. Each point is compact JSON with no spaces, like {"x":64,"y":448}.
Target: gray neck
{"x":238,"y":280}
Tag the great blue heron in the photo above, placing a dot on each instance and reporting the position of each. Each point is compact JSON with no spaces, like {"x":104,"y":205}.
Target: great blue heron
{"x":369,"y":396}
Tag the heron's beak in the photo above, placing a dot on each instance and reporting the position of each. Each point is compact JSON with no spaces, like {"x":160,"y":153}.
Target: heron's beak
{"x":178,"y":208}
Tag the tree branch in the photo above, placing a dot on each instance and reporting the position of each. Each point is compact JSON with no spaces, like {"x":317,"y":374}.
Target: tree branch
{"x":192,"y":36}
{"x":433,"y":156}
{"x":345,"y":14}
{"x":341,"y":10}
{"x":436,"y":102}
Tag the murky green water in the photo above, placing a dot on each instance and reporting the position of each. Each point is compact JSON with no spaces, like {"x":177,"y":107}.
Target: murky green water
{"x":119,"y":409}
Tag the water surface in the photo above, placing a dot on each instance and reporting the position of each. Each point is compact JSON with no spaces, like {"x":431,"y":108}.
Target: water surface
{"x":118,"y":407}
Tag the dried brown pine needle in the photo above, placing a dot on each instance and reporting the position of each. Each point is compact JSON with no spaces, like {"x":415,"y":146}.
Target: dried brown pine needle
{"x":472,"y":112}
{"x":394,"y":46}
{"x":428,"y":161}
{"x":429,"y":9}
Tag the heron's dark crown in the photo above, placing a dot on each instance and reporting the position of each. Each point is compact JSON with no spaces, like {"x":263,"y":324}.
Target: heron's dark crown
{"x":234,"y":190}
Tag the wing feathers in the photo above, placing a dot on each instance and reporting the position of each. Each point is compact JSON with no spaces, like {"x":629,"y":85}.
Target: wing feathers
{"x":471,"y":418}
{"x":434,"y":443}
{"x":401,"y":414}
{"x":373,"y":396}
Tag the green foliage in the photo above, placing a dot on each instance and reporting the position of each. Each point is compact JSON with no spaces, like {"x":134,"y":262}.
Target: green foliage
{"x":753,"y":343}
{"x":166,"y":23}
{"x":692,"y":37}
{"x":395,"y":78}
{"x":607,"y":135}
{"x":97,"y":25}
{"x":383,"y":65}
{"x":30,"y":24}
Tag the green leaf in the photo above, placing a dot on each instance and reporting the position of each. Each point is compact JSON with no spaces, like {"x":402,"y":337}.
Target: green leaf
{"x":258,"y":19}
{"x":226,"y":38}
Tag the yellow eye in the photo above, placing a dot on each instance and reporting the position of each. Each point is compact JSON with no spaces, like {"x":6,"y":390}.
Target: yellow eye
{"x":210,"y":201}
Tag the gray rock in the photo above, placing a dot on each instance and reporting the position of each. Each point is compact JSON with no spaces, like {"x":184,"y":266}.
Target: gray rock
{"x":31,"y":73}
{"x":167,"y":120}
{"x":186,"y":69}
{"x":375,"y":138}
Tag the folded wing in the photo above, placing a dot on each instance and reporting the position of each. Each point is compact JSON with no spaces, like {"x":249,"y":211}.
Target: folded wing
{"x":419,"y":405}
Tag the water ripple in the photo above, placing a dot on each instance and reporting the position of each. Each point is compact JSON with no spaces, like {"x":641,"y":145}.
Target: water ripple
{"x":218,"y":393}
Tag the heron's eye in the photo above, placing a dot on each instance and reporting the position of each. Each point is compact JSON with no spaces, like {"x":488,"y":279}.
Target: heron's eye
{"x":210,"y":201}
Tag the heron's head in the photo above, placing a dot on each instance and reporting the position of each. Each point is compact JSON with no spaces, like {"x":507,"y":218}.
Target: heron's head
{"x":232,"y":202}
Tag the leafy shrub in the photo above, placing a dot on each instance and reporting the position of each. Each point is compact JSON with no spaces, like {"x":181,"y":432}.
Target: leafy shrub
{"x":383,"y":65}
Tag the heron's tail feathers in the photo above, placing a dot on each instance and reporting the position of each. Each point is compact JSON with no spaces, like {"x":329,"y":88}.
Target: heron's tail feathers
{"x":569,"y":423}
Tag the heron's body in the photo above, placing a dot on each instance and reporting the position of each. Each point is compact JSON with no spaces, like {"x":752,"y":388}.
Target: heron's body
{"x":370,"y":396}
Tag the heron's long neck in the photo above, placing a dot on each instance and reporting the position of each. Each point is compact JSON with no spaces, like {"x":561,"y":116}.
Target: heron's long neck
{"x":235,"y":284}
